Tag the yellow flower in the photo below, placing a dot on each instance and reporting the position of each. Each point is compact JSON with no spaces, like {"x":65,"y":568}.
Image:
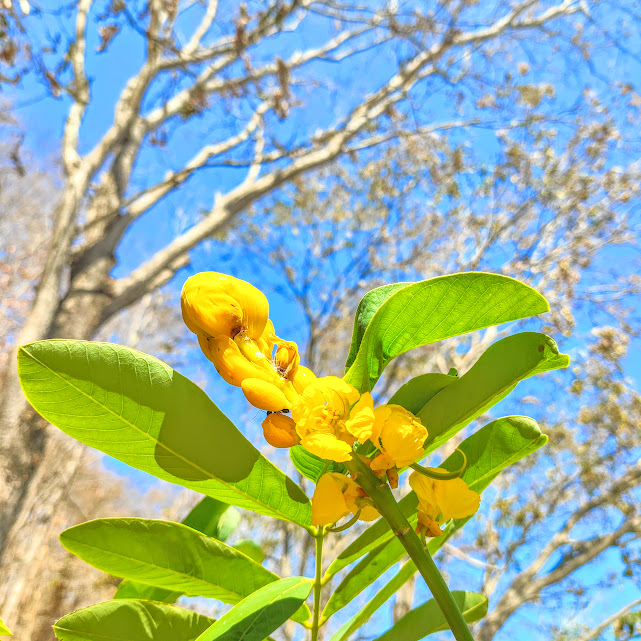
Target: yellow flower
{"x":440,"y":500}
{"x":335,"y":496}
{"x":399,"y":435}
{"x":216,"y":304}
{"x":324,"y":422}
{"x":280,"y":430}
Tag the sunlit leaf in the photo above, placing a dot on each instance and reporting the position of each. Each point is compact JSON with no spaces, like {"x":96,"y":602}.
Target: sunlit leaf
{"x":4,"y":630}
{"x":431,"y":310}
{"x":257,"y":616}
{"x":496,"y":373}
{"x":167,"y":555}
{"x":128,"y":620}
{"x":209,"y":516}
{"x":137,"y":409}
{"x":428,"y":618}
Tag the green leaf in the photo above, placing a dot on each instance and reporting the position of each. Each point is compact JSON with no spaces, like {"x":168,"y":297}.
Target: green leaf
{"x":127,"y":620}
{"x":365,"y":311}
{"x":380,"y":598}
{"x":364,"y":574}
{"x":427,"y":618}
{"x":429,"y":311}
{"x":312,"y":466}
{"x":489,"y":450}
{"x":209,"y":516}
{"x":4,"y":630}
{"x":261,"y":613}
{"x":138,"y":410}
{"x":167,"y":555}
{"x":251,"y":549}
{"x":415,"y":394}
{"x":492,"y":378}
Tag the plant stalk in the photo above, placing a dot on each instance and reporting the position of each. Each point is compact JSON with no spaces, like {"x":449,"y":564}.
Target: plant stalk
{"x":318,"y":584}
{"x":384,"y":501}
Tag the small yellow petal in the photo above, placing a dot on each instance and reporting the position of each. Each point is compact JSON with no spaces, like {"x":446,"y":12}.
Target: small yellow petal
{"x":456,"y":500}
{"x":264,"y":395}
{"x":328,"y":502}
{"x":327,"y":446}
{"x":361,"y":418}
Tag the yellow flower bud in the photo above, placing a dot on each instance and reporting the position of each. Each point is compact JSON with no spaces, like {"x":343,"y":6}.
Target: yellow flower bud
{"x":265,"y":396}
{"x":216,"y":304}
{"x":440,"y":500}
{"x":303,"y":378}
{"x":399,"y":435}
{"x":280,"y":430}
{"x":231,"y":364}
{"x":287,"y":358}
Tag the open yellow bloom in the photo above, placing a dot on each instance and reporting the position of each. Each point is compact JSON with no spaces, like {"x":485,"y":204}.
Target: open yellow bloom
{"x":440,"y":500}
{"x":216,"y":304}
{"x":336,"y":496}
{"x":280,"y":430}
{"x":399,"y":435}
{"x":324,"y":422}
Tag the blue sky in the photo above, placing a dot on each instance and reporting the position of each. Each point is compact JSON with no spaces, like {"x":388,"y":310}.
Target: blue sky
{"x":43,"y":119}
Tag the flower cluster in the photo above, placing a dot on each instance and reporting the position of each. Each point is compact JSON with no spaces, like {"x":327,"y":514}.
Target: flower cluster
{"x":328,"y":417}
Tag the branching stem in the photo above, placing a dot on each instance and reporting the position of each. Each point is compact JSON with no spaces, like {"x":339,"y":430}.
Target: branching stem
{"x":387,"y":506}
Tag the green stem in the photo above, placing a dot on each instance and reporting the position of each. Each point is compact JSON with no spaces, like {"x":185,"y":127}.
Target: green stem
{"x":318,"y":584}
{"x":384,"y":500}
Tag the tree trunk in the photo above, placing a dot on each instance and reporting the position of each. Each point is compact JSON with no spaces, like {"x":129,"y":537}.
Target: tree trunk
{"x":22,"y":557}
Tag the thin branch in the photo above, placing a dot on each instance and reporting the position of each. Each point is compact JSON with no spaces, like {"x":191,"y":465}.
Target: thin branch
{"x":596,"y":632}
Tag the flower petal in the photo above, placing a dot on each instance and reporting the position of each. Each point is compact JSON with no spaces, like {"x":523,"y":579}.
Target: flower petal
{"x":327,"y":446}
{"x":328,"y":502}
{"x":455,"y":499}
{"x":361,"y":418}
{"x":264,"y":395}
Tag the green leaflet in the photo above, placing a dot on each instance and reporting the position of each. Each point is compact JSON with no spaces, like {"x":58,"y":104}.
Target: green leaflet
{"x":170,"y":556}
{"x":429,"y":311}
{"x":427,"y":618}
{"x":373,"y":604}
{"x":492,"y":378}
{"x":365,"y":311}
{"x":257,"y":616}
{"x":131,"y":621}
{"x":251,"y":549}
{"x":489,"y":450}
{"x":138,"y":410}
{"x":310,"y":465}
{"x":416,"y":393}
{"x":209,"y":516}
